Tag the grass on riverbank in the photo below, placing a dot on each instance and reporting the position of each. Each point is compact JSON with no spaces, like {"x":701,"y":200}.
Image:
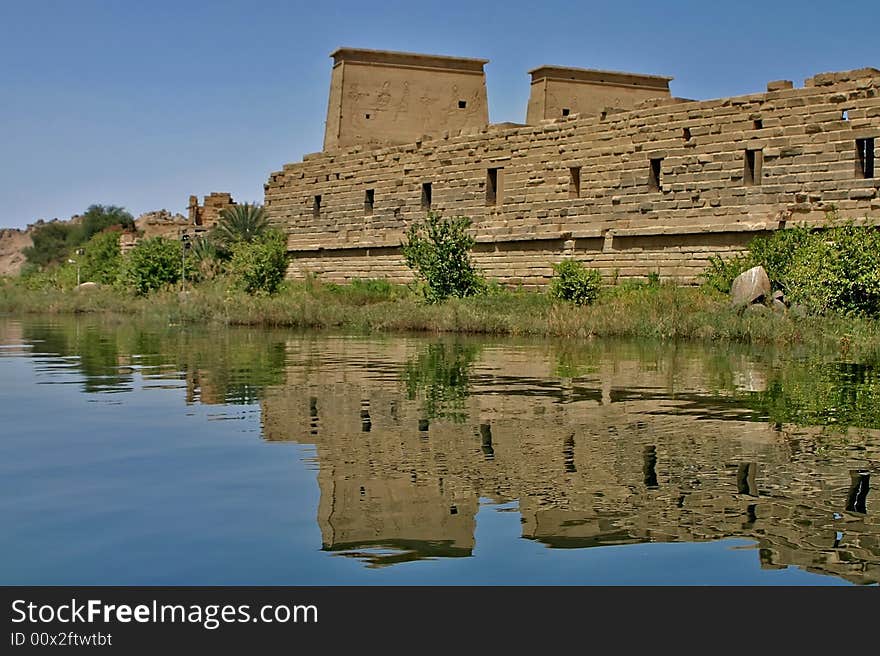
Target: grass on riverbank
{"x":630,"y":310}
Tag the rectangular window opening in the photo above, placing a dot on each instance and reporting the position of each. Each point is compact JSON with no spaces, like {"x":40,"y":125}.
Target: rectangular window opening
{"x":566,"y":111}
{"x":366,"y":116}
{"x":844,"y":115}
{"x":426,"y":196}
{"x":493,"y":186}
{"x":654,"y":178}
{"x":369,"y":197}
{"x":759,"y":124}
{"x":686,"y":134}
{"x":316,"y":206}
{"x":462,"y":104}
{"x":865,"y":158}
{"x":753,"y":163}
{"x":574,"y":184}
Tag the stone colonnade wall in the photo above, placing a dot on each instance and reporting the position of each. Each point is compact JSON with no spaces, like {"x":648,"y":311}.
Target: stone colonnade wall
{"x":660,"y":188}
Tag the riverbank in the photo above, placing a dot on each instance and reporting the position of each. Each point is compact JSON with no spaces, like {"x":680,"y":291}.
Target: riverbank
{"x":664,"y":312}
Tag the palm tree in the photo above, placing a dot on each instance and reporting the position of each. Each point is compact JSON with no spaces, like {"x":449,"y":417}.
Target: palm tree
{"x":243,"y":222}
{"x":204,"y":252}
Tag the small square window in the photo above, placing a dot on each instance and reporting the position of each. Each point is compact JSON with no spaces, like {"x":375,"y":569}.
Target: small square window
{"x":462,"y":104}
{"x":686,"y":134}
{"x":844,"y":115}
{"x":366,"y":116}
{"x":759,"y":124}
{"x":566,"y":111}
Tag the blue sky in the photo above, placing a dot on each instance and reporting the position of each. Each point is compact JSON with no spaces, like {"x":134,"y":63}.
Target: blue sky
{"x":142,"y":103}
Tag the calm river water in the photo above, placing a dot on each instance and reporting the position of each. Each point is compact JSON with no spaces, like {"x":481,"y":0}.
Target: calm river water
{"x":134,"y":454}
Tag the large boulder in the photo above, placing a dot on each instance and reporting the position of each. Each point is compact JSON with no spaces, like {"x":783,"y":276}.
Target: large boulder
{"x":750,"y":286}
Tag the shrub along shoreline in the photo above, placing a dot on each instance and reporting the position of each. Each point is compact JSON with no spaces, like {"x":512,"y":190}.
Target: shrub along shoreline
{"x":235,"y":276}
{"x":632,"y":310}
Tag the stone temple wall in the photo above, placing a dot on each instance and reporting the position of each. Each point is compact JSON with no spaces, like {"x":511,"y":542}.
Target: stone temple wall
{"x":659,"y":188}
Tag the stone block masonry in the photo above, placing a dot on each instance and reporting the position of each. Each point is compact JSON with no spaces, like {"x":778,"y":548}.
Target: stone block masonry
{"x":657,"y":188}
{"x":208,"y":214}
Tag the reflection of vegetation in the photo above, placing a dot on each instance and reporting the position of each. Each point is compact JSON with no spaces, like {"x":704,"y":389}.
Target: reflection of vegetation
{"x":440,"y":373}
{"x":576,"y":359}
{"x":96,"y":350}
{"x":821,"y":394}
{"x":231,"y":366}
{"x":805,"y":388}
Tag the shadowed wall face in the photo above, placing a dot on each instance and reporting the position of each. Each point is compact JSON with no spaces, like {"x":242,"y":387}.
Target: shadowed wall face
{"x":379,"y":97}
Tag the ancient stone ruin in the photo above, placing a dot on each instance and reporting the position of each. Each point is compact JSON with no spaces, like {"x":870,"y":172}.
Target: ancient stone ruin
{"x":207,"y":214}
{"x":610,"y":169}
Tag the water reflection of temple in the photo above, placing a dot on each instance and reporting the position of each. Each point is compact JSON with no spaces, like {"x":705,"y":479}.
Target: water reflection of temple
{"x":627,"y":451}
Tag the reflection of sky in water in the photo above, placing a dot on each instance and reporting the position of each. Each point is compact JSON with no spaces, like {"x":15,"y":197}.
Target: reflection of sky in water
{"x":146,"y":473}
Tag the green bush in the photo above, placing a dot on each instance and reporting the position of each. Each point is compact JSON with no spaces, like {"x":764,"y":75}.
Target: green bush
{"x":366,"y":291}
{"x":55,"y":276}
{"x":51,"y":243}
{"x":259,"y":266}
{"x":55,"y":241}
{"x":835,"y":269}
{"x":101,"y":259}
{"x":98,"y":218}
{"x":438,"y":251}
{"x":572,"y":281}
{"x":153,"y":264}
{"x":721,"y":273}
{"x":777,"y":253}
{"x":838,"y":270}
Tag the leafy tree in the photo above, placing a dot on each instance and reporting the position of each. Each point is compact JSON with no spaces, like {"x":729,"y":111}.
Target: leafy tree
{"x":52,"y":241}
{"x":102,"y":258}
{"x":100,"y":217}
{"x":441,"y":375}
{"x":838,"y":270}
{"x":438,"y":251}
{"x":259,"y":266}
{"x":777,"y":252}
{"x":152,"y":264}
{"x":206,"y":256}
{"x":242,"y":223}
{"x":572,"y":281}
